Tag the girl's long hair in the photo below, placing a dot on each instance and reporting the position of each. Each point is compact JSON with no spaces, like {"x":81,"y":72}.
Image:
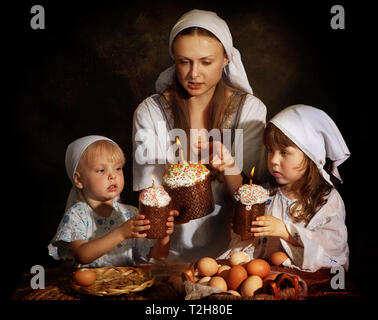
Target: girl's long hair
{"x":311,"y":190}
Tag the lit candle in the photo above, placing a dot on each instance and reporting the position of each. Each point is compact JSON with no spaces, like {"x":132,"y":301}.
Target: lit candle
{"x":181,"y":151}
{"x":252,"y":172}
{"x":153,"y":182}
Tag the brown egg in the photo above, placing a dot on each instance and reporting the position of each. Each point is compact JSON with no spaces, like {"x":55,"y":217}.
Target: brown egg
{"x":85,"y":277}
{"x":250,"y":285}
{"x":239,"y":258}
{"x":235,"y":293}
{"x":258,"y":267}
{"x":236,"y":276}
{"x":218,"y":282}
{"x":205,"y":281}
{"x":223,"y":271}
{"x":277,"y":258}
{"x":207,"y":267}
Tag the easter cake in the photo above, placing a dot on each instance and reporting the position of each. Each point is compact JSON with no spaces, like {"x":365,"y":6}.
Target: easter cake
{"x":155,"y":204}
{"x":189,"y":186}
{"x":249,"y":203}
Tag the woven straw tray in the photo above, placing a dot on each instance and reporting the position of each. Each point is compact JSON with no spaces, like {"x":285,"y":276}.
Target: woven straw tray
{"x":113,"y":281}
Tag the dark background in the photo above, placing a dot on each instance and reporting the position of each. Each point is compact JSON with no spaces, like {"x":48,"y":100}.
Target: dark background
{"x":95,"y":62}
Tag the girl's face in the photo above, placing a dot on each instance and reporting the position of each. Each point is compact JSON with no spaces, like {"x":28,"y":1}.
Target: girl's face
{"x":199,"y":61}
{"x":286,"y":164}
{"x":101,"y":179}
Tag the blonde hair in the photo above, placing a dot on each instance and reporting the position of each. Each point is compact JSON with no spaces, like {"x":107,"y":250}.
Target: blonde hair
{"x":312,"y":189}
{"x":102,"y":147}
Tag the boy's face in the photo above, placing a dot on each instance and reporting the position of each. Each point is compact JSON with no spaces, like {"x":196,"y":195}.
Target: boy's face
{"x":101,"y":179}
{"x":286,"y":165}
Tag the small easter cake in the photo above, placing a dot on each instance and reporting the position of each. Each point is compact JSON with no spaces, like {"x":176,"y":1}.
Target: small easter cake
{"x":189,"y":186}
{"x":250,"y":203}
{"x":155,"y":204}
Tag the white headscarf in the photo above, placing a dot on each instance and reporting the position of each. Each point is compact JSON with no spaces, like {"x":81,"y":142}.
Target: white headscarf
{"x":234,"y":71}
{"x":315,"y":133}
{"x":73,"y":155}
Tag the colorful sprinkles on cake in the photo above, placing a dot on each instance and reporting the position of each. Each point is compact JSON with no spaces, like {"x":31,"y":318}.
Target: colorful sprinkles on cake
{"x":250,"y":194}
{"x":155,"y":197}
{"x":180,"y":175}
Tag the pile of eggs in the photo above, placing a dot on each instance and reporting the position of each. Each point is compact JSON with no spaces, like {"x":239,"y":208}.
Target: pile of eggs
{"x":242,"y":277}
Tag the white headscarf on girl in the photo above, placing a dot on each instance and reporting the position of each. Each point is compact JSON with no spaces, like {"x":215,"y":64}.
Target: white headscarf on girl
{"x":234,"y":72}
{"x":73,"y":155}
{"x":315,"y":133}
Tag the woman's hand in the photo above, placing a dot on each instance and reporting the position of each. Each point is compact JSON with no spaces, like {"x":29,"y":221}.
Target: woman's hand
{"x":134,"y":227}
{"x":222,"y":160}
{"x":220,"y":157}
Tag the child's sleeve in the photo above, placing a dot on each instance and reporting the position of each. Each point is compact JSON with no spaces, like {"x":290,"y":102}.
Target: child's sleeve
{"x":324,"y":239}
{"x":72,"y":227}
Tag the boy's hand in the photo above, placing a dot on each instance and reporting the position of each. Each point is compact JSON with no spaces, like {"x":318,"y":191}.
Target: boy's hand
{"x":134,"y":227}
{"x":170,"y":221}
{"x":175,"y":213}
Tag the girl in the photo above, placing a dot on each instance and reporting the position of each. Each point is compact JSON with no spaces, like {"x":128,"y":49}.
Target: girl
{"x":206,"y":88}
{"x":96,"y":230}
{"x":305,"y":215}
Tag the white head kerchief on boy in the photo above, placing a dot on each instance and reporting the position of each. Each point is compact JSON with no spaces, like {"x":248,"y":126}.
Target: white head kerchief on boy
{"x":73,"y":154}
{"x":234,"y":71}
{"x":315,"y":133}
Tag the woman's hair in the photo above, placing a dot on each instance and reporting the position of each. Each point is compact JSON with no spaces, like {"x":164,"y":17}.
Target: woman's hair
{"x":312,"y":189}
{"x":178,"y":97}
{"x":102,"y":147}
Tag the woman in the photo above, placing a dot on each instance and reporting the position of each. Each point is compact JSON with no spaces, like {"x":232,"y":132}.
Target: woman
{"x":206,"y":88}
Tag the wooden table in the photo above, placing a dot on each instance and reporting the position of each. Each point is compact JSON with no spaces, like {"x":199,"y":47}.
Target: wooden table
{"x":58,"y":285}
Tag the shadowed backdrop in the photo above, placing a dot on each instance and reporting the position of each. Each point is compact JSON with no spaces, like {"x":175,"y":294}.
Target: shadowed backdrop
{"x":93,"y":64}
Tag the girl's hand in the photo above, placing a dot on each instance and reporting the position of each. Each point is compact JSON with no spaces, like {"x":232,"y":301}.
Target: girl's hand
{"x":269,"y":226}
{"x":134,"y":227}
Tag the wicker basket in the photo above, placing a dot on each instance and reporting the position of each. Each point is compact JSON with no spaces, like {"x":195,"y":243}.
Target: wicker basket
{"x":243,"y":218}
{"x":112,"y":281}
{"x":192,"y":202}
{"x":158,"y":218}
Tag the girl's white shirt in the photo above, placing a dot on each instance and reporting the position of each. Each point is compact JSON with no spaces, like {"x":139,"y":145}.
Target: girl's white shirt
{"x":323,"y":240}
{"x":209,"y":235}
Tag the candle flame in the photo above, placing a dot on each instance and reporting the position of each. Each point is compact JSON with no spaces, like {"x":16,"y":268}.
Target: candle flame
{"x":252,"y":172}
{"x":153,"y":181}
{"x":181,"y":151}
{"x":178,"y":142}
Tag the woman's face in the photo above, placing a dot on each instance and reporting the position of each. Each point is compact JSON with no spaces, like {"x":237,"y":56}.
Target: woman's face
{"x":199,"y":61}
